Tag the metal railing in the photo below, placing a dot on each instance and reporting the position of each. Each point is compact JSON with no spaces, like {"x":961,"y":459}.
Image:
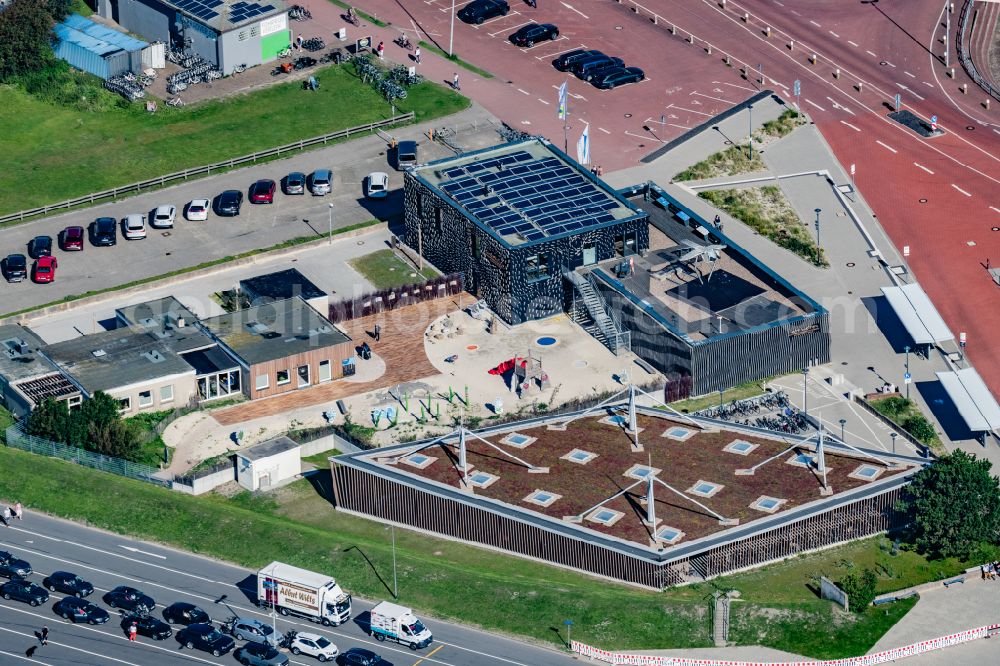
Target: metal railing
{"x":206,"y":170}
{"x":963,"y":54}
{"x":18,"y":438}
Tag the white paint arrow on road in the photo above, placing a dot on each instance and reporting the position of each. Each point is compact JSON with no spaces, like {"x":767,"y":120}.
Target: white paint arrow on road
{"x":573,"y":9}
{"x":142,"y":552}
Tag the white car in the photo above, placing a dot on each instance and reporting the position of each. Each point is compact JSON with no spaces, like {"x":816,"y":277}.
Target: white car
{"x":163,"y":217}
{"x":378,"y":185}
{"x":135,"y":226}
{"x":314,"y":645}
{"x":198,"y":209}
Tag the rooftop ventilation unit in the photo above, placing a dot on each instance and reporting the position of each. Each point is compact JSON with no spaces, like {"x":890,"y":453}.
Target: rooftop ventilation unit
{"x":98,"y":353}
{"x":154,"y":356}
{"x":257,"y":327}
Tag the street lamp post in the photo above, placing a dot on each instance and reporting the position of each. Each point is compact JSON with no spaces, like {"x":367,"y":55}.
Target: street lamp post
{"x":395,"y":583}
{"x":906,"y":378}
{"x":451,"y":37}
{"x":805,"y":394}
{"x":330,"y":206}
{"x":750,"y":112}
{"x":818,"y":211}
{"x":893,"y":436}
{"x":569,"y":633}
{"x":843,"y":422}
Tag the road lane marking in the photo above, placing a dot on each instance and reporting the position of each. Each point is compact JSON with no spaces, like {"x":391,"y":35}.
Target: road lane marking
{"x":604,"y":130}
{"x":645,"y":137}
{"x":886,"y":146}
{"x":815,"y":24}
{"x":681,"y":108}
{"x":890,"y":64}
{"x":815,"y":104}
{"x":838,"y":105}
{"x":680,"y":126}
{"x":912,"y":76}
{"x":736,"y":86}
{"x":995,"y":209}
{"x":428,"y":655}
{"x":856,"y":129}
{"x":542,"y":101}
{"x":961,"y":190}
{"x":921,"y":166}
{"x":523,"y":92}
{"x":871,"y":54}
{"x":573,"y":9}
{"x":142,"y":552}
{"x":717,"y":99}
{"x":834,"y":34}
{"x":929,"y":85}
{"x":911,"y":91}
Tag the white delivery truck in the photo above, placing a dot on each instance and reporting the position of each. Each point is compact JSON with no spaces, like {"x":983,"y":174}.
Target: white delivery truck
{"x":400,"y":624}
{"x":294,"y":591}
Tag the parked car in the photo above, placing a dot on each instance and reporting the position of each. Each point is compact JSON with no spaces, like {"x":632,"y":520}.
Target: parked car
{"x":262,"y":192}
{"x":205,"y":637}
{"x":134,"y":226}
{"x":565,"y":62}
{"x":321,"y":182}
{"x":13,"y":567}
{"x":104,"y":232}
{"x":260,"y":654}
{"x":581,"y":67}
{"x":40,"y":246}
{"x":620,"y":77}
{"x":228,"y":203}
{"x":43,"y":271}
{"x":71,"y":239}
{"x":24,"y":590}
{"x":406,"y":154}
{"x":249,"y":629}
{"x":130,"y":599}
{"x":363,"y":657}
{"x":163,"y":217}
{"x":185,"y":613}
{"x":529,"y":35}
{"x":314,"y":645}
{"x":197,"y":209}
{"x":15,"y":267}
{"x":593,"y":71}
{"x":478,"y":11}
{"x":80,"y":610}
{"x":295,"y":183}
{"x":147,"y":625}
{"x":67,"y":583}
{"x":378,"y":185}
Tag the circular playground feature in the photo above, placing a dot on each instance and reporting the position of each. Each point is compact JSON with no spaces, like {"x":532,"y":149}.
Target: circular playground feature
{"x":546,"y":341}
{"x":472,"y":347}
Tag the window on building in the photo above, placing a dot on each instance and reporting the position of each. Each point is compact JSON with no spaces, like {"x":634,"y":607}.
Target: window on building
{"x":145,"y":398}
{"x":74,"y":402}
{"x":167,"y":393}
{"x":438,"y":219}
{"x":124,"y":404}
{"x":475,"y":244}
{"x":283,"y":377}
{"x":537,"y":267}
{"x":303,"y":373}
{"x":263,"y":381}
{"x":325,"y":371}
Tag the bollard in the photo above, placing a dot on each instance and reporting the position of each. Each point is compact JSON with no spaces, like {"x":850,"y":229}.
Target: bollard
{"x":691,"y":39}
{"x":964,"y":88}
{"x":951,"y":72}
{"x":767,"y":31}
{"x":708,"y":49}
{"x":812,"y":58}
{"x":859,"y":86}
{"x":987,"y":103}
{"x":791,"y":44}
{"x":673,"y":30}
{"x":722,"y":3}
{"x":836,"y":73}
{"x":743,"y":72}
{"x":746,"y":17}
{"x":727,"y":60}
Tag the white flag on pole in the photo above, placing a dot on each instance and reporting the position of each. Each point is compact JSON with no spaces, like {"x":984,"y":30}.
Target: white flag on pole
{"x":563,"y":105}
{"x":583,"y":146}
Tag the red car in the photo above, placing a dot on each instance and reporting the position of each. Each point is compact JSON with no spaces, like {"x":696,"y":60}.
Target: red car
{"x":72,"y":239}
{"x":44,"y":270}
{"x":262,"y":192}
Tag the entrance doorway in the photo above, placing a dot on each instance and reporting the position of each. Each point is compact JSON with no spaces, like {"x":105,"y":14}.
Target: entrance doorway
{"x":589,"y":253}
{"x":303,"y":376}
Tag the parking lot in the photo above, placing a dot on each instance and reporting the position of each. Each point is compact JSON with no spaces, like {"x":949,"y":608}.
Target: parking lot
{"x":257,"y":226}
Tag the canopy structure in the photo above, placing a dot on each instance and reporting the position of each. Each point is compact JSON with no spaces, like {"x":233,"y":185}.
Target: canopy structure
{"x":972,"y":398}
{"x":918,"y":314}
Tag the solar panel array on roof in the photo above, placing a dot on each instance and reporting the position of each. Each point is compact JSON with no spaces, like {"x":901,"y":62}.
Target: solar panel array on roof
{"x":242,"y":11}
{"x":519,"y":194}
{"x":203,"y":9}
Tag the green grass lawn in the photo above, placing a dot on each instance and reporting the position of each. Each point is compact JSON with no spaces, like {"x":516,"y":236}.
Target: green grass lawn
{"x":52,"y":152}
{"x":320,"y":459}
{"x":738,"y":392}
{"x":385,"y":270}
{"x":449,"y":580}
{"x":908,"y":416}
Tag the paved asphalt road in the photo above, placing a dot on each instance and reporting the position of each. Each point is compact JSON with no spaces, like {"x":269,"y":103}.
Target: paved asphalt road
{"x":108,"y":560}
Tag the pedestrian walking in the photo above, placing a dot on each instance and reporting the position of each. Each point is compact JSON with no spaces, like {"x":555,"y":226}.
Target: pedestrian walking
{"x":533,"y":3}
{"x":132,"y":630}
{"x":30,"y":652}
{"x":6,"y":516}
{"x":378,"y":332}
{"x":298,"y":43}
{"x":381,"y":50}
{"x":43,"y":637}
{"x":18,"y":510}
{"x":600,"y":171}
{"x":416,"y":55}
{"x":454,"y":82}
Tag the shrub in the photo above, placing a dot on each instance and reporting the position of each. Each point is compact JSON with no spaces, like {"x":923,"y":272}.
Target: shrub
{"x":860,"y":589}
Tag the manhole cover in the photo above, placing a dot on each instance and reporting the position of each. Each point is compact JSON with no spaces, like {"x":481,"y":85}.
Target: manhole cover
{"x":360,"y":243}
{"x":472,"y":347}
{"x":850,"y":264}
{"x":580,"y":363}
{"x":843,"y":362}
{"x":970,"y":127}
{"x":728,"y":142}
{"x":167,"y":254}
{"x":883,"y":63}
{"x":628,"y":115}
{"x":923,"y":200}
{"x":618,"y":27}
{"x":165,"y":234}
{"x":994,"y":228}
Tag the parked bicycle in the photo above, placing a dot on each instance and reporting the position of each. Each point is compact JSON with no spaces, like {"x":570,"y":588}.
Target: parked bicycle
{"x":299,"y":13}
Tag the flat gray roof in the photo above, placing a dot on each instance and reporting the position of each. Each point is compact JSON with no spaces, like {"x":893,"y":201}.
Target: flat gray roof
{"x":159,"y":313}
{"x":108,"y":360}
{"x":267,"y":449}
{"x":279,"y":286}
{"x":19,"y":358}
{"x":918,"y":314}
{"x":274,"y":330}
{"x":972,"y":399}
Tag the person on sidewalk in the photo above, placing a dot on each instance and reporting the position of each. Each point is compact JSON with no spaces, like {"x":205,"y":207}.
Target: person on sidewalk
{"x":416,"y":55}
{"x":381,"y":50}
{"x":43,"y":637}
{"x":6,"y":516}
{"x":378,"y":332}
{"x":298,"y":43}
{"x":18,"y":510}
{"x":454,"y":82}
{"x":132,"y":631}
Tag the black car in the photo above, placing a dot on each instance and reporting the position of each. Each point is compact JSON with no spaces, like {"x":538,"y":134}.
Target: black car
{"x":147,"y":625}
{"x":24,"y":590}
{"x":185,"y":613}
{"x":362,"y":657}
{"x":581,"y":67}
{"x":130,"y":599}
{"x":228,"y":203}
{"x":533,"y":33}
{"x":295,"y":183}
{"x":260,"y":654}
{"x":619,"y":77}
{"x":13,"y":567}
{"x":67,"y":583}
{"x":205,"y":637}
{"x":478,"y":11}
{"x":104,"y":232}
{"x":595,"y":71}
{"x":40,"y":246}
{"x":15,"y":267}
{"x":80,"y":610}
{"x":565,"y":62}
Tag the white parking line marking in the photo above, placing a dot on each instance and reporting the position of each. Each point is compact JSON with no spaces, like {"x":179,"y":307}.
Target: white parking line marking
{"x":995,"y":209}
{"x":539,"y":45}
{"x":796,"y":13}
{"x":542,"y":101}
{"x":886,"y":146}
{"x":834,"y":34}
{"x":815,"y":104}
{"x":814,"y":23}
{"x":856,"y":129}
{"x":573,"y":9}
{"x":961,"y":190}
{"x":921,"y":166}
{"x":604,"y":130}
{"x":645,"y":137}
{"x":681,"y":108}
{"x":557,"y":53}
{"x":852,"y":43}
{"x":676,"y":125}
{"x":717,"y":99}
{"x":890,"y":64}
{"x":736,"y":86}
{"x":912,"y":76}
{"x":524,"y":92}
{"x":871,"y":54}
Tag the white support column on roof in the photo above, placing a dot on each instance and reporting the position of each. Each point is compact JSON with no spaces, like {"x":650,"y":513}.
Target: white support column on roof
{"x":650,"y":504}
{"x":462,"y":457}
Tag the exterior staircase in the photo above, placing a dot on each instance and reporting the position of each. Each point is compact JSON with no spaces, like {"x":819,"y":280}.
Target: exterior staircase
{"x":592,"y":313}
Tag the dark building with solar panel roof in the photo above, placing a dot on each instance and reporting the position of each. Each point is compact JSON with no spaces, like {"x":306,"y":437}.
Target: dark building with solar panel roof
{"x":226,"y":33}
{"x":535,"y":234}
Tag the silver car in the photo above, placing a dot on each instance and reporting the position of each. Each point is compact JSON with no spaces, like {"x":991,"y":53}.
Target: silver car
{"x":321,"y":182}
{"x":249,"y":629}
{"x":163,"y":217}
